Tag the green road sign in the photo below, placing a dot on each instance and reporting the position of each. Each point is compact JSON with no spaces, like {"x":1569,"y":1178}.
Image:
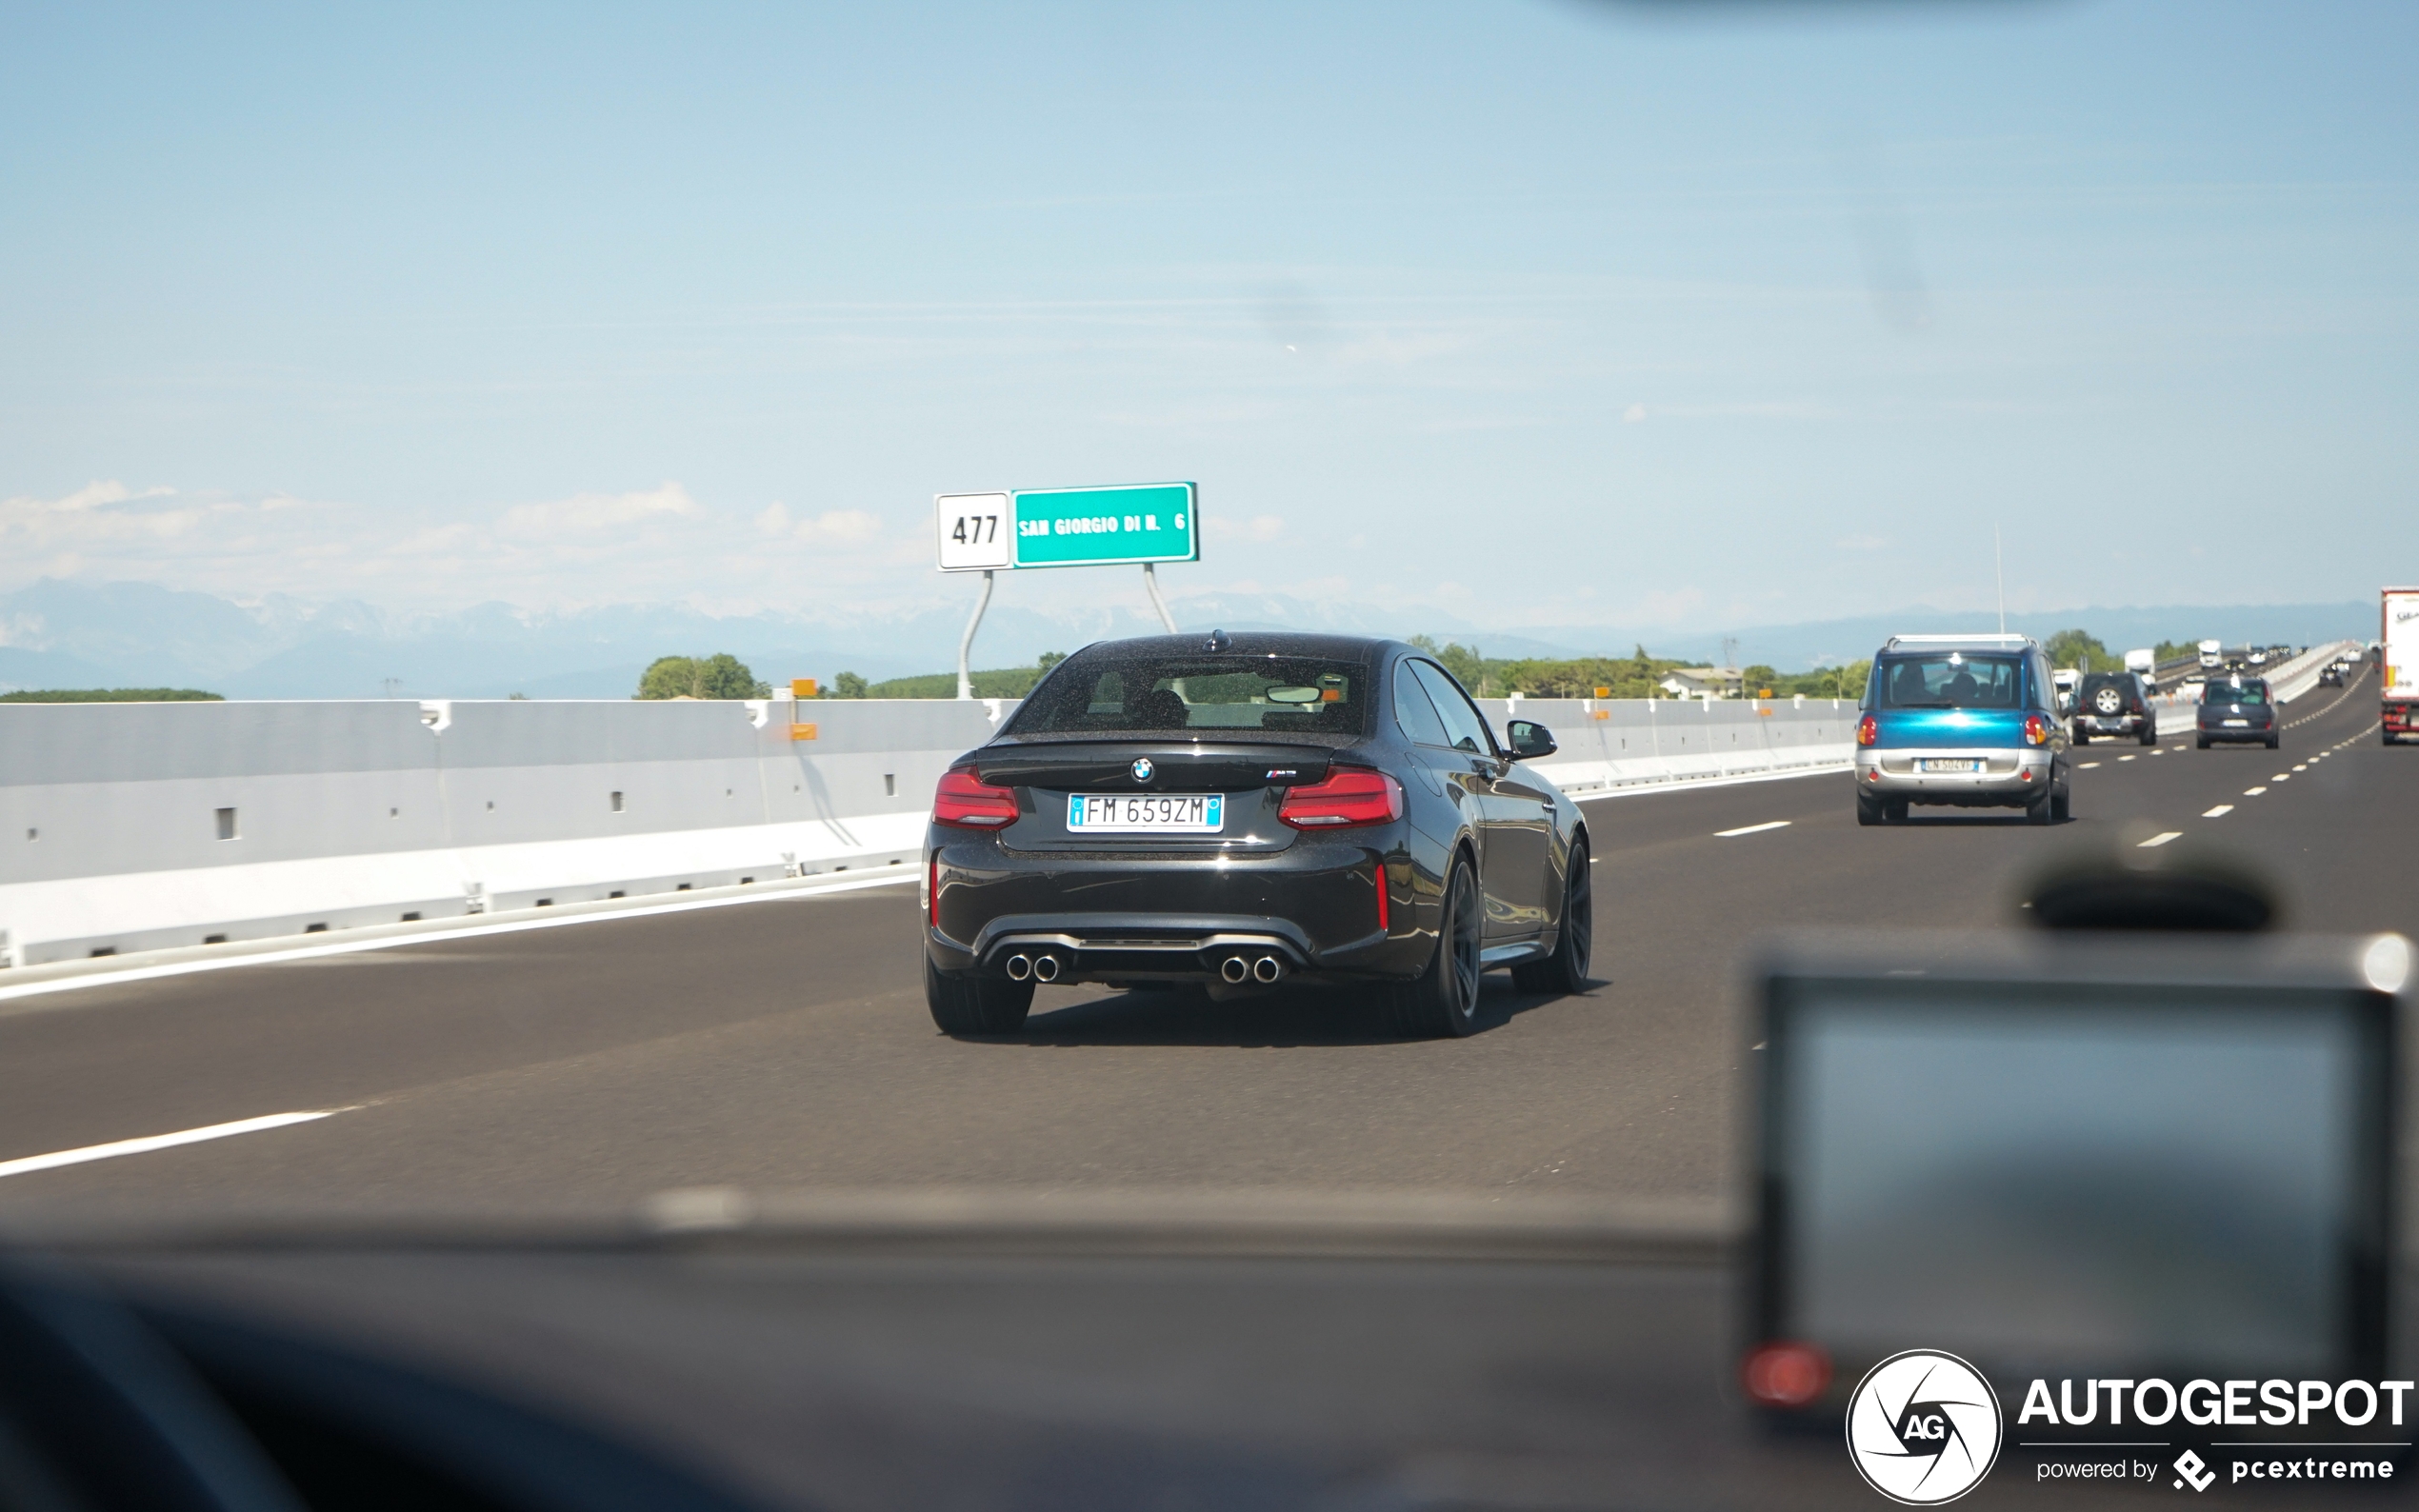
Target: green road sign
{"x":1154,"y":521}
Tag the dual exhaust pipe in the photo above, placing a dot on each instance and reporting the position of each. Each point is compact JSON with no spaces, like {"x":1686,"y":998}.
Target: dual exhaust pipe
{"x":1236,"y":970}
{"x":1040,"y":969}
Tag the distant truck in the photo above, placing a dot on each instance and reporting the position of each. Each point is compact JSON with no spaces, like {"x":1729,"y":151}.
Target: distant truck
{"x":2398,"y":660}
{"x":2213,"y":655}
{"x":2145,"y":664}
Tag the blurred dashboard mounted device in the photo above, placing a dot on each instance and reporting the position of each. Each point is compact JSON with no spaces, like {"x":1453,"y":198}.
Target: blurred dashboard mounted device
{"x":2074,"y":1153}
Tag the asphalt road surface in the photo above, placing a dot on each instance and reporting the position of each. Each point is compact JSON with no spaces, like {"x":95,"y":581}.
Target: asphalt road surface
{"x":783,"y":1043}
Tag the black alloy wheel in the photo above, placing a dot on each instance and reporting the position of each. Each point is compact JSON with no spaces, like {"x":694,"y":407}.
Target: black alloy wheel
{"x":1565,"y":970}
{"x":963,"y":1002}
{"x":1443,"y":1001}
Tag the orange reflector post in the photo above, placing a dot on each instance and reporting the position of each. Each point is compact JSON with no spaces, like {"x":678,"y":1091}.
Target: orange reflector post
{"x":1604,"y":692}
{"x":1601,"y":713}
{"x":805,"y":688}
{"x":801,"y":732}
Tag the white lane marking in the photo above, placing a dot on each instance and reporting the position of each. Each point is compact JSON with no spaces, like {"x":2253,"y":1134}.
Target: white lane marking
{"x":2219,"y":813}
{"x":2161,"y":840}
{"x":159,"y":1141}
{"x":2125,"y":758}
{"x":1750,"y":829}
{"x":2161,"y":751}
{"x":2303,"y":767}
{"x":2254,"y":793}
{"x":2282,"y":777}
{"x":2088,"y":766}
{"x":890,"y":876}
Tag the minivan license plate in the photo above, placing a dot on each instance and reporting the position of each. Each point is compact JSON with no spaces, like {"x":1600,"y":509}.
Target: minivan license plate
{"x":1130,"y":813}
{"x":1937,"y":765}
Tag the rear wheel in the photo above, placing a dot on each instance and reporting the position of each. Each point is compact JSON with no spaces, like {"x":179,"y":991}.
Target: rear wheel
{"x":2082,"y":736}
{"x":1868,"y":810}
{"x":2150,"y":733}
{"x":964,"y":1003}
{"x":2037,"y":811}
{"x":2061,"y":806}
{"x":1894,"y":810}
{"x":2202,"y":740}
{"x":1565,"y":970}
{"x":2271,"y":742}
{"x":1443,"y":1001}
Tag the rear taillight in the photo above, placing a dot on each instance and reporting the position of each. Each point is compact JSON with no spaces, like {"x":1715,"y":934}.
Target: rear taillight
{"x":2036,"y":731}
{"x":1351,"y":795}
{"x":1868,"y":729}
{"x":965,"y":800}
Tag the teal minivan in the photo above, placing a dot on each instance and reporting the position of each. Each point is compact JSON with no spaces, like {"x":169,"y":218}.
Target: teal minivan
{"x":1964,"y":720}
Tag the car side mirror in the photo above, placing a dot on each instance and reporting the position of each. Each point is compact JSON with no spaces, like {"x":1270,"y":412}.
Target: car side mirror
{"x":1530,"y":739}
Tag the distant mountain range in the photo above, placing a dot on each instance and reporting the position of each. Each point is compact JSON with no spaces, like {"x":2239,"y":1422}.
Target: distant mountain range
{"x":70,"y":634}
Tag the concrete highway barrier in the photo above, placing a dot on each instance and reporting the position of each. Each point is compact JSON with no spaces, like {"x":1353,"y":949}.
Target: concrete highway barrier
{"x":148,"y":827}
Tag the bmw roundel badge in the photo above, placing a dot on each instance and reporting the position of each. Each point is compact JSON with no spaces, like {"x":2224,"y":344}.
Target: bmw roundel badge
{"x":1142,"y":769}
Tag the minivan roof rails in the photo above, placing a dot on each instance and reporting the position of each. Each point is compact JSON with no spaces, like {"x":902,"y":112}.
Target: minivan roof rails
{"x":2008,"y":639}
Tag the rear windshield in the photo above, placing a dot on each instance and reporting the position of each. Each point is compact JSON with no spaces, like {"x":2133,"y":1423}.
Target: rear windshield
{"x":1948,"y":680}
{"x":1157,"y":695}
{"x":2239,"y":691}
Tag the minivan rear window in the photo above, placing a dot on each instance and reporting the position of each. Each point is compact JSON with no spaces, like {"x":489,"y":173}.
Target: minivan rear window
{"x":1200,"y":695}
{"x":1949,"y":679}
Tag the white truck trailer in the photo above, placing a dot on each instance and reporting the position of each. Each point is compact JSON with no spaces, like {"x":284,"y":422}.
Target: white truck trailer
{"x":2398,"y":661}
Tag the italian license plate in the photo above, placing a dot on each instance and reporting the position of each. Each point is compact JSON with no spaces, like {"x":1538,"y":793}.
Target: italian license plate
{"x":2238,"y":724}
{"x":1154,"y":813}
{"x":1938,"y":765}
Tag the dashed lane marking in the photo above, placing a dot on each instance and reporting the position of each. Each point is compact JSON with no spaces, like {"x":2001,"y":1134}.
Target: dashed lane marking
{"x":1750,"y":829}
{"x":160,"y":1141}
{"x":2125,"y":758}
{"x":2161,"y":840}
{"x":2088,"y":766}
{"x":2219,"y":813}
{"x":2254,"y":793}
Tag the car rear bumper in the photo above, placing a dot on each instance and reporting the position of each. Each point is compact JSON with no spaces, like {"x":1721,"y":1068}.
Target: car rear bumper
{"x":2259,"y":732}
{"x":1312,"y":909}
{"x":2007,"y":776}
{"x":2111,"y":724}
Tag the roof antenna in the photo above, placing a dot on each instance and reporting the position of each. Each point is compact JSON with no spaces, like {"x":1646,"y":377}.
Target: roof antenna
{"x":1219,"y":641}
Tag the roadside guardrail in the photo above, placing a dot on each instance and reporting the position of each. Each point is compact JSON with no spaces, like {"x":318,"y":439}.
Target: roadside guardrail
{"x":137,"y":827}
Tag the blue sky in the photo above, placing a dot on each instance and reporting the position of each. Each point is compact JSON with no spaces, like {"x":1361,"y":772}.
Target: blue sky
{"x":1539,"y":314}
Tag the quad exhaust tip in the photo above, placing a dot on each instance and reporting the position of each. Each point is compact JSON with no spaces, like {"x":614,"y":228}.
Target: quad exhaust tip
{"x":1019,"y":967}
{"x":1045,"y":968}
{"x":1234,"y":968}
{"x":1266,"y":969}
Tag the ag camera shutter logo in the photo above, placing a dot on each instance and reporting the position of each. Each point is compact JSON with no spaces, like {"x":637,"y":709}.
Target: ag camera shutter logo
{"x":1924,"y":1428}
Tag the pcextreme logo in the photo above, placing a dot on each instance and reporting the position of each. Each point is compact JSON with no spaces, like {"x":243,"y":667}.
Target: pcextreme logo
{"x":1924,"y":1428}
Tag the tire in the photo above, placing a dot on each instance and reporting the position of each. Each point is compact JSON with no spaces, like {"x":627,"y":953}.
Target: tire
{"x":963,"y":1002}
{"x":1894,"y":810}
{"x":1565,"y":973}
{"x":2082,"y":736}
{"x":2061,"y":806}
{"x":2150,"y":733}
{"x":2202,"y":740}
{"x":1442,"y":1002}
{"x":2271,"y":742}
{"x":1868,"y":810}
{"x":2037,"y":811}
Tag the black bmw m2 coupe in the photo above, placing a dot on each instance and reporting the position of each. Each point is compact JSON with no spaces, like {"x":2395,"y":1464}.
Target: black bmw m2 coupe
{"x":1244,"y":810}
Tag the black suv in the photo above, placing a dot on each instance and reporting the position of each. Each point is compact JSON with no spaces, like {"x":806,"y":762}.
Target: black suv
{"x":2114,"y":704}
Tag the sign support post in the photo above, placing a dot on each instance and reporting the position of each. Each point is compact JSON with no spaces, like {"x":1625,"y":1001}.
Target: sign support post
{"x":966,"y":642}
{"x":1151,"y":582}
